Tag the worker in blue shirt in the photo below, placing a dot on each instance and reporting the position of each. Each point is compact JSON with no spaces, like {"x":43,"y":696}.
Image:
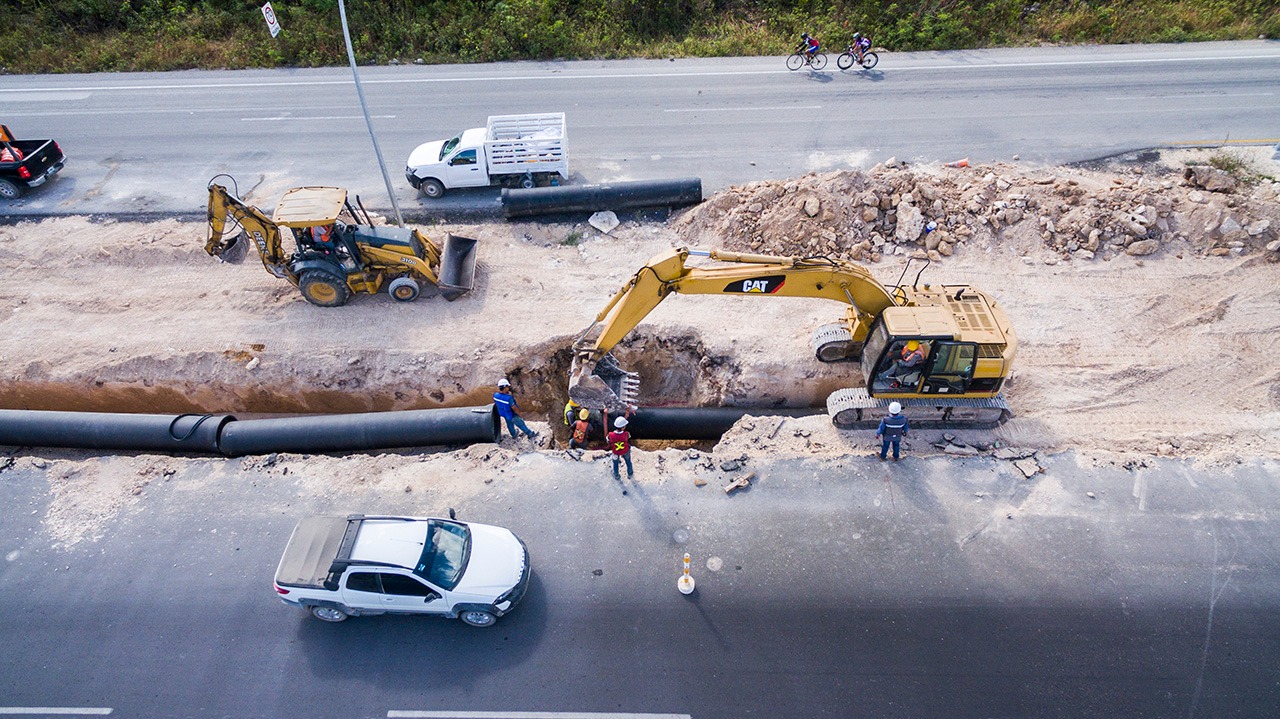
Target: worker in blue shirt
{"x":892,"y":429}
{"x":507,"y":409}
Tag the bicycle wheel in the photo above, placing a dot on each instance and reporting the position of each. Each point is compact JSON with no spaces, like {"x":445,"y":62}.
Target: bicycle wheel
{"x":869,"y":60}
{"x":818,"y":61}
{"x":845,"y":61}
{"x":795,"y":61}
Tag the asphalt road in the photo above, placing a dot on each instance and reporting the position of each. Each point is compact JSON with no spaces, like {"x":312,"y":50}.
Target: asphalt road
{"x":146,"y":143}
{"x":940,"y":587}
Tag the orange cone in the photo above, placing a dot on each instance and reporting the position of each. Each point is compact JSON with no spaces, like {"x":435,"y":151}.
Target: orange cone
{"x":958,"y":163}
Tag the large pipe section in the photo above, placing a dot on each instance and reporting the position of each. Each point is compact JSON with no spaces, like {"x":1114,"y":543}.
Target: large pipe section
{"x":591,"y":198}
{"x":107,"y":430}
{"x":360,"y":432}
{"x":700,"y":422}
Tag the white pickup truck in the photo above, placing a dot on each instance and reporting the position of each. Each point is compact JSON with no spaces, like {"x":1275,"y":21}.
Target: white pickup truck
{"x":512,"y":150}
{"x":339,"y":567}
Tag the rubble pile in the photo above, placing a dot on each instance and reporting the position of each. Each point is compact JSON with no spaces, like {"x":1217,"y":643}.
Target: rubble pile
{"x":1059,"y":214}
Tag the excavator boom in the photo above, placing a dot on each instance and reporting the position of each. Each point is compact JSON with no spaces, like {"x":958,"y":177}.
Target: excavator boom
{"x":227,"y":211}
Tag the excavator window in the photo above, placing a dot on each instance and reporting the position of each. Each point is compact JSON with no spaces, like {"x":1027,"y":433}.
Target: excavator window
{"x":951,"y":368}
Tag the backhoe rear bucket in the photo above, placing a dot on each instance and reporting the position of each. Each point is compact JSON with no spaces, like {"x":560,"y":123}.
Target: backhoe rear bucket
{"x":457,"y":266}
{"x":234,"y":251}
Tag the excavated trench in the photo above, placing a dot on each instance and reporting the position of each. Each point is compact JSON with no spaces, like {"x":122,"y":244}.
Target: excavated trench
{"x":676,"y":370}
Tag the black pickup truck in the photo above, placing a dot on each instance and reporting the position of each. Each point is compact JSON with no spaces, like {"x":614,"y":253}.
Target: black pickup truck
{"x":26,"y":163}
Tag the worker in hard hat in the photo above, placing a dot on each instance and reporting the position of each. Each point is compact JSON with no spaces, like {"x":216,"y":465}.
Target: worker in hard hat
{"x":620,"y":446}
{"x":909,"y":360}
{"x":581,"y":430}
{"x":891,"y":431}
{"x":570,"y":412}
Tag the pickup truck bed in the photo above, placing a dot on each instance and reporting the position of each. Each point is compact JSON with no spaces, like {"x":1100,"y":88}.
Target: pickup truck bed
{"x":41,"y":159}
{"x":308,"y":559}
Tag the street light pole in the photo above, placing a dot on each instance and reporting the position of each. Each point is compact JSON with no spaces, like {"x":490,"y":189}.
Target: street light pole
{"x":382,"y":165}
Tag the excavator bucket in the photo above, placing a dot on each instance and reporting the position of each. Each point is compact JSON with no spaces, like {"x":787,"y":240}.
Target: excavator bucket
{"x":457,"y":266}
{"x":604,"y":385}
{"x":233,"y":252}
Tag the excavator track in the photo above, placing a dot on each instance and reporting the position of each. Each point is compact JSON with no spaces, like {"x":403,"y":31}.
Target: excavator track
{"x":855,"y":409}
{"x":834,"y":343}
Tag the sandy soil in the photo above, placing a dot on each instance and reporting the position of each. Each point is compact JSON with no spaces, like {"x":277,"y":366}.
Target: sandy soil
{"x":1171,"y":353}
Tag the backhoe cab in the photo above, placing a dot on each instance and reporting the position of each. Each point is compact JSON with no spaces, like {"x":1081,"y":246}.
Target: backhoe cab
{"x":334,"y":254}
{"x":943,"y":352}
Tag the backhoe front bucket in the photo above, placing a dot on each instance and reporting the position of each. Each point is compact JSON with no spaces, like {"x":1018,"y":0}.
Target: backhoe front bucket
{"x":234,"y":251}
{"x":457,"y":266}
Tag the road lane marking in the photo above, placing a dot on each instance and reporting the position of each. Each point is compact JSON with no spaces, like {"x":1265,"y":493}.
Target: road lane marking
{"x":1257,"y":141}
{"x":527,"y":715}
{"x":313,"y":117}
{"x":1190,"y":97}
{"x":743,"y":109}
{"x":60,"y":711}
{"x":619,"y":76}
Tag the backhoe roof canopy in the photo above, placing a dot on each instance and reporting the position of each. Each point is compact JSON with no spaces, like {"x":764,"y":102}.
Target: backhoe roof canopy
{"x":310,"y":206}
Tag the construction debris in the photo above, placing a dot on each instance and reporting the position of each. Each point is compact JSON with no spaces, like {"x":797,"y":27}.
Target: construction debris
{"x":740,"y":483}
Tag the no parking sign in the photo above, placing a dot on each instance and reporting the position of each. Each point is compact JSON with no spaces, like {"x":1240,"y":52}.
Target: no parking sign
{"x":272,"y":23}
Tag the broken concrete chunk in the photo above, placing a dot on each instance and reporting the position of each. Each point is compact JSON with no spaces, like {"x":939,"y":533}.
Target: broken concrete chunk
{"x":1013,"y":453}
{"x":605,"y":221}
{"x":960,"y":450}
{"x":1029,"y":467}
{"x":730,"y":465}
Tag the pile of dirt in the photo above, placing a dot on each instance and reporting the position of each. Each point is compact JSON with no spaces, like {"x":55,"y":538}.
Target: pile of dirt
{"x":1057,"y":213}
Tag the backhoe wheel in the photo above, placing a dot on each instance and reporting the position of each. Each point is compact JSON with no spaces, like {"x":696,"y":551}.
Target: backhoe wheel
{"x":404,"y":289}
{"x":431,"y":188}
{"x":9,"y":191}
{"x":324,"y":289}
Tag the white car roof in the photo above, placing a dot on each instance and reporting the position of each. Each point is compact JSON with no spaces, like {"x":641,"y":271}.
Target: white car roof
{"x":390,"y":541}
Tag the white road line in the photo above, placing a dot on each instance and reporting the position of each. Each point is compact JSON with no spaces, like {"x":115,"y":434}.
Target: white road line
{"x":608,"y":76}
{"x":60,"y":711}
{"x":743,"y":109}
{"x":1184,"y":97}
{"x":527,"y":715}
{"x":312,"y":117}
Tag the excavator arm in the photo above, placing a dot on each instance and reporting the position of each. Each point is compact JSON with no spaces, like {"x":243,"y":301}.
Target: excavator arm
{"x":228,"y":212}
{"x":596,"y":380}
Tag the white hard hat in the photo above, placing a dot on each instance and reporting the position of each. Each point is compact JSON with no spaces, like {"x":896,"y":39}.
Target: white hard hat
{"x":503,"y":382}
{"x":894,"y":408}
{"x":620,"y":422}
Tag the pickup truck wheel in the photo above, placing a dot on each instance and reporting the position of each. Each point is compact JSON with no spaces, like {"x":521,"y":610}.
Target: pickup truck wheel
{"x":9,"y":191}
{"x":329,"y":614}
{"x":323,"y":289}
{"x":478,"y":618}
{"x":431,"y":188}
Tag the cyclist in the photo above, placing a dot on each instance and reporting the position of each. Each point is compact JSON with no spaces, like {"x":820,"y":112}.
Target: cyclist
{"x":860,"y":44}
{"x":808,"y":45}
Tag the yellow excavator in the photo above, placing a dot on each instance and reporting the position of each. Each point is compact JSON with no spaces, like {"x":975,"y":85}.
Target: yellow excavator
{"x":942,"y":351}
{"x":332,"y":255}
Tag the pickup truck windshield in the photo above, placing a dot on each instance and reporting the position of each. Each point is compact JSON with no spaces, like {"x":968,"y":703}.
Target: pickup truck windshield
{"x":448,"y":146}
{"x":445,"y":553}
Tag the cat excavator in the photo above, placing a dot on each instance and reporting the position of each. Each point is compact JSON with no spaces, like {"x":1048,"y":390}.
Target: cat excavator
{"x":333,"y":258}
{"x":942,"y":351}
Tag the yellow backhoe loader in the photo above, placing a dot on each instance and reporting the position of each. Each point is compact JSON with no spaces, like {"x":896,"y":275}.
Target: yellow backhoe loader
{"x":942,"y":351}
{"x":332,"y":256}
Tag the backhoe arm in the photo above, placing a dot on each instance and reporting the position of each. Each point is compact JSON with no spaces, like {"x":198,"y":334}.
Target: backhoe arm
{"x":745,"y":274}
{"x":225,"y":209}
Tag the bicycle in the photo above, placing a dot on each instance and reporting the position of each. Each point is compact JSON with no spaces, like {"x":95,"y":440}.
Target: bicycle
{"x":817,"y":61}
{"x":852,"y":54}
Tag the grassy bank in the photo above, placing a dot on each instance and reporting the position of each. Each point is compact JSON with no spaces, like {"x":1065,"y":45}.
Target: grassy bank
{"x":39,"y":36}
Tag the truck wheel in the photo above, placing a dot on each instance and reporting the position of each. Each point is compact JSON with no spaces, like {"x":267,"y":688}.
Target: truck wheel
{"x":323,"y":289}
{"x":478,"y":618}
{"x":431,"y":188}
{"x":404,"y":289}
{"x":329,"y":614}
{"x":9,"y":191}
{"x":527,"y":182}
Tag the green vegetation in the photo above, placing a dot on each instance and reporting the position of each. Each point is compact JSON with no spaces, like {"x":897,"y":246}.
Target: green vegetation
{"x":1238,"y":165}
{"x":114,"y":35}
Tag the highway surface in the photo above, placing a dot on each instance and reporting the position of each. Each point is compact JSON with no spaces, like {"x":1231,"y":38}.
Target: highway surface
{"x":146,"y":143}
{"x":941,"y":587}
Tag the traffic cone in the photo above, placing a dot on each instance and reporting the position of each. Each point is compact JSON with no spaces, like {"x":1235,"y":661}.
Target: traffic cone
{"x":958,"y":163}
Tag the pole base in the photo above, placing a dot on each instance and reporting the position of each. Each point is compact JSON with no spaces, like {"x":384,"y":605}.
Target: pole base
{"x":685,"y":585}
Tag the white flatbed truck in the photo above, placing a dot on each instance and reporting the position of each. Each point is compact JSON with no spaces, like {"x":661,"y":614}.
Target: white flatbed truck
{"x":511,"y":150}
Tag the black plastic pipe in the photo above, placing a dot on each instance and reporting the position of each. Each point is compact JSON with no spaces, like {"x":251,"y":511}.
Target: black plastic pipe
{"x":591,"y":198}
{"x":359,"y":432}
{"x":106,"y":430}
{"x":700,"y":422}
